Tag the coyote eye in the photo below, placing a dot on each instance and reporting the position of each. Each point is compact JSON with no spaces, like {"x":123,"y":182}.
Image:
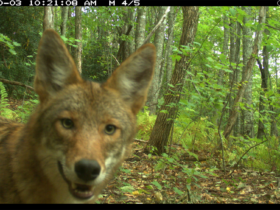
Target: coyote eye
{"x":110,"y":129}
{"x":67,"y":123}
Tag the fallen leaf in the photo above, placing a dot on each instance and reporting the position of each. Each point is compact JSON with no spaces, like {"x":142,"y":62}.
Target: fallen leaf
{"x":241,"y":185}
{"x":242,"y":192}
{"x":158,"y":196}
{"x":135,"y":193}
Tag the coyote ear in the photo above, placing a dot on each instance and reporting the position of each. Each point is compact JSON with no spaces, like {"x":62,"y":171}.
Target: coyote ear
{"x":133,"y":77}
{"x":55,"y":67}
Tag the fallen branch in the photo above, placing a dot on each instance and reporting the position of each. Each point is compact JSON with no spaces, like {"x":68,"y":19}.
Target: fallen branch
{"x":236,"y":165}
{"x":16,"y":83}
{"x":140,"y":140}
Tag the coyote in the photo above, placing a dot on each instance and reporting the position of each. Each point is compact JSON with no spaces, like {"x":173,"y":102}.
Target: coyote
{"x":80,"y":132}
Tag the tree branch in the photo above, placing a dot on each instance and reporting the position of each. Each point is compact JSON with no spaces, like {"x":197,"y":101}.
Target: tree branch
{"x":156,"y":27}
{"x":16,"y":83}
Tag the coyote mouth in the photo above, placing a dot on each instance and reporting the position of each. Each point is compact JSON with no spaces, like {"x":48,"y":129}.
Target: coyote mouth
{"x":80,"y":191}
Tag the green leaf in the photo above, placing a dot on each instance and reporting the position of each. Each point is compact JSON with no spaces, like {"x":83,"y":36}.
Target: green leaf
{"x":16,"y":44}
{"x":232,"y":11}
{"x":227,"y":70}
{"x":12,"y":51}
{"x":149,"y":187}
{"x":192,"y":154}
{"x":210,"y":59}
{"x":157,"y":185}
{"x":164,"y":111}
{"x":176,"y":190}
{"x":143,"y":191}
{"x":269,"y":48}
{"x":129,"y":189}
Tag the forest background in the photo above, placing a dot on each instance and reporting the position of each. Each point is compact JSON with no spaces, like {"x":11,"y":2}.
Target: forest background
{"x":213,"y":106}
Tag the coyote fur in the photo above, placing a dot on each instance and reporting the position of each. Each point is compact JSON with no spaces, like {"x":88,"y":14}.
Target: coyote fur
{"x":80,"y":132}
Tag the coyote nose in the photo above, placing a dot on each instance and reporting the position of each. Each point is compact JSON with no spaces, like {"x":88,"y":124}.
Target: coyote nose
{"x":87,"y":170}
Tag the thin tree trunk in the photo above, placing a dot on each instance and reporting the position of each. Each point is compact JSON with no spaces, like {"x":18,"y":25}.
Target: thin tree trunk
{"x":221,"y":71}
{"x":48,"y":18}
{"x":249,"y":67}
{"x":171,"y":20}
{"x":232,"y":63}
{"x":156,"y":82}
{"x":273,"y":129}
{"x":247,"y":114}
{"x":131,"y":44}
{"x":265,"y":76}
{"x":237,"y":75}
{"x":70,"y":27}
{"x":64,"y":13}
{"x":141,"y":25}
{"x":231,"y":58}
{"x":162,"y":127}
{"x":225,"y":47}
{"x":78,"y":35}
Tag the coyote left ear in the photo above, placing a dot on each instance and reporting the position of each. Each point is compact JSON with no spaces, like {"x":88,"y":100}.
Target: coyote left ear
{"x":55,"y":67}
{"x":133,"y":77}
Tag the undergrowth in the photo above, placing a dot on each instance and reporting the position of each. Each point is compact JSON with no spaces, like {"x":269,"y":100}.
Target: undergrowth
{"x":22,"y":113}
{"x":201,"y":135}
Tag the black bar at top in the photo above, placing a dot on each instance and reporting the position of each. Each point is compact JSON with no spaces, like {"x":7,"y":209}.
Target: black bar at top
{"x":124,"y":3}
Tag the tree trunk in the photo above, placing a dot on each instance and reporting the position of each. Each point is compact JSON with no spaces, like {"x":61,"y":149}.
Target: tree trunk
{"x":64,"y":13}
{"x":232,"y":63}
{"x":141,"y":25}
{"x":232,"y":60}
{"x":265,"y":76}
{"x":71,"y":34}
{"x":156,"y":82}
{"x":273,"y":129}
{"x":48,"y":18}
{"x":225,"y":47}
{"x":237,"y":74}
{"x":264,"y":86}
{"x":163,"y":124}
{"x":247,"y":115}
{"x":78,"y":35}
{"x":171,"y":20}
{"x":221,"y":71}
{"x":249,"y":67}
{"x":55,"y":17}
{"x":131,"y":44}
{"x":123,"y":51}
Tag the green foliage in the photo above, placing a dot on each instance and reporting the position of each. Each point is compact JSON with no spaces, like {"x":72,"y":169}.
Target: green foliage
{"x":4,"y":111}
{"x":145,"y":123}
{"x":26,"y":109}
{"x":22,"y":113}
{"x":8,"y":43}
{"x":19,"y":34}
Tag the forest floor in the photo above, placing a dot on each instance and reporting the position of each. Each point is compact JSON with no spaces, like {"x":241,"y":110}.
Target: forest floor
{"x":139,"y":183}
{"x":237,"y":186}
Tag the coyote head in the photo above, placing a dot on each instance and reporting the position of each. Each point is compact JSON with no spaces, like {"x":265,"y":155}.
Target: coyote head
{"x":84,"y":127}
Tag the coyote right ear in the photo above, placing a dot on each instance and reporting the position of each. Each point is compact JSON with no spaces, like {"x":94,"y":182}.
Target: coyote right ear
{"x":133,"y":77}
{"x":55,"y":67}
